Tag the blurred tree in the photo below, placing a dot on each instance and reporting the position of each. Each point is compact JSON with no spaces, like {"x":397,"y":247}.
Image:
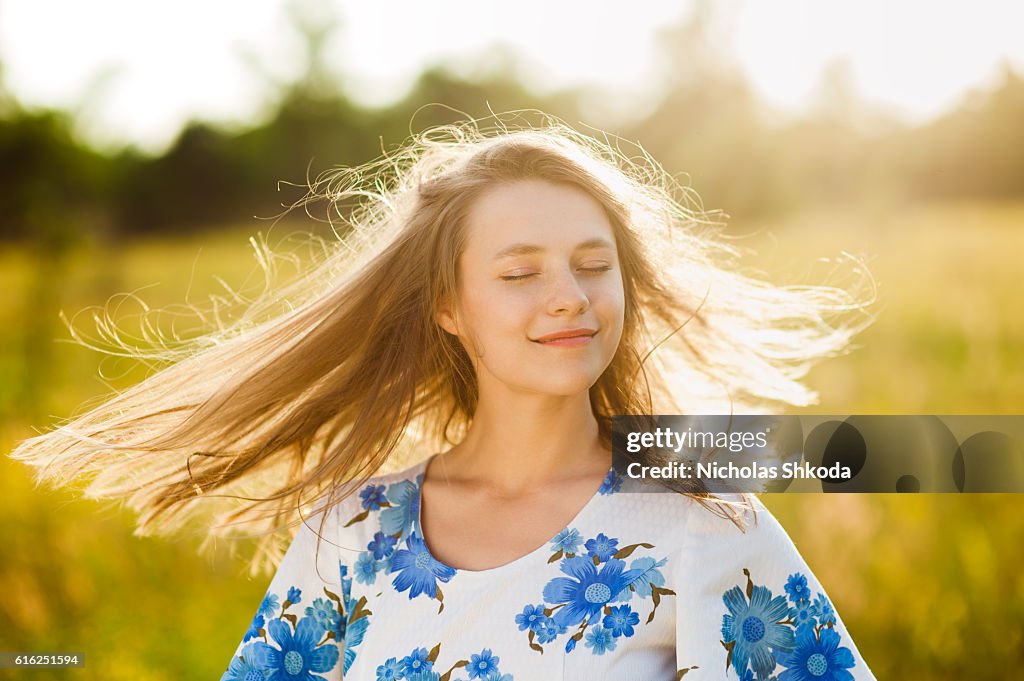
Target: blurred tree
{"x":826,"y":150}
{"x":975,"y":150}
{"x":48,"y":179}
{"x":710,"y":125}
{"x":709,"y":128}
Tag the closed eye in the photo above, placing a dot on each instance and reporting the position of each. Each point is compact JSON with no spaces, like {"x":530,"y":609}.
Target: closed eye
{"x":589,"y":270}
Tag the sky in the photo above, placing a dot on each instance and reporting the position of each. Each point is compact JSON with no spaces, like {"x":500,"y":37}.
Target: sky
{"x":136,"y":71}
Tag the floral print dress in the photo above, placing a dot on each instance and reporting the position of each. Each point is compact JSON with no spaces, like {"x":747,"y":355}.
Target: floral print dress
{"x":637,"y":587}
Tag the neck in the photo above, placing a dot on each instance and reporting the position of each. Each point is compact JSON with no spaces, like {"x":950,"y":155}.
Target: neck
{"x":528,"y":441}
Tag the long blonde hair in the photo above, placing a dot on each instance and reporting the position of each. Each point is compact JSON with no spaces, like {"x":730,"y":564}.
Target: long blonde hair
{"x":255,"y":420}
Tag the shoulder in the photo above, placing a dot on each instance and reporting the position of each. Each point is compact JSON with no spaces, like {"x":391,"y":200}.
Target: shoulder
{"x":754,"y":604}
{"x":728,"y":516}
{"x":410,"y":473}
{"x":734,"y":526}
{"x":387,"y":503}
{"x":683,"y":520}
{"x":749,"y":548}
{"x":719,"y":526}
{"x":372,"y":493}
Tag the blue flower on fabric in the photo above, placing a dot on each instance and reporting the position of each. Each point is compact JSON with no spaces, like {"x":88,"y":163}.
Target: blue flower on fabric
{"x":417,"y":570}
{"x":532,"y":617}
{"x":648,"y":574}
{"x":373,"y":497}
{"x":802,"y":613}
{"x":601,"y":547}
{"x":424,"y":676}
{"x":612,"y":483}
{"x":416,"y":662}
{"x":245,"y":667}
{"x":823,"y":610}
{"x":403,"y":515}
{"x":354,"y":633}
{"x":365,"y":568}
{"x":348,"y":604}
{"x":482,"y":664}
{"x":382,"y":545}
{"x":268,"y":608}
{"x":294,"y":595}
{"x":389,"y":671}
{"x":796,"y":587}
{"x":254,"y":628}
{"x":754,"y":628}
{"x":326,"y":615}
{"x":586,"y":591}
{"x":548,"y":631}
{"x":621,"y":620}
{"x":567,"y":541}
{"x":600,"y":639}
{"x":298,"y":657}
{"x":498,"y":676}
{"x":817,"y":659}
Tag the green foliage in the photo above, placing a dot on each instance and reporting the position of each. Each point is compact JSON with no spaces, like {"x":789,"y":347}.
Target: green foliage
{"x":709,"y":129}
{"x":53,"y":186}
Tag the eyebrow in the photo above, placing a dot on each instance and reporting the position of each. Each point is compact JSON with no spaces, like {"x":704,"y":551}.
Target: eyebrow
{"x":529,"y":249}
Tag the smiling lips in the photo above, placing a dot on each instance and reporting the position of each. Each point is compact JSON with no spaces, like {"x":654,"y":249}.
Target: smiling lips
{"x":568,"y":338}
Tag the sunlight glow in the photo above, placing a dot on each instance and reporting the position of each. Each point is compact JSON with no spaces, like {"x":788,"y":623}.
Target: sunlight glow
{"x":135,"y":71}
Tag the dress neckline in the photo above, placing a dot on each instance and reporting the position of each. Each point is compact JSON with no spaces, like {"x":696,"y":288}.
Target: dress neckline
{"x":530,"y":556}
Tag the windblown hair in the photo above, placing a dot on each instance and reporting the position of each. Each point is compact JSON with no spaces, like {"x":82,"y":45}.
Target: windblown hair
{"x":254,"y":421}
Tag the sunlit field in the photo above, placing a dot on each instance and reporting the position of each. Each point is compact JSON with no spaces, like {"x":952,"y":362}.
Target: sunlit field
{"x":930,"y":586}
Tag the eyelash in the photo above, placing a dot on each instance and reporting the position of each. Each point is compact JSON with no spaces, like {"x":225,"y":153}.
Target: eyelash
{"x":589,"y":270}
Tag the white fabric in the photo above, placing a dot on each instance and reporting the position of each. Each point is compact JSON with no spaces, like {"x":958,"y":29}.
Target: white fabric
{"x":661,"y":553}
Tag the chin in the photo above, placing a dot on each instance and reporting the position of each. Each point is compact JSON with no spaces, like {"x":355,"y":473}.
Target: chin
{"x":567,"y":387}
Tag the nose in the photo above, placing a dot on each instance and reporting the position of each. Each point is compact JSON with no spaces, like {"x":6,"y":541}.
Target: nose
{"x":566,"y":296}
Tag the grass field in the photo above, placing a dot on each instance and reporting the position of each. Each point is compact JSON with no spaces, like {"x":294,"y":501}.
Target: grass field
{"x":930,"y":586}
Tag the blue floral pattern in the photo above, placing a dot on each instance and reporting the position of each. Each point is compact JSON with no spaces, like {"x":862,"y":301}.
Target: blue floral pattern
{"x":583,"y":598}
{"x":612,"y":483}
{"x":418,"y":571}
{"x":245,"y":667}
{"x":373,"y":497}
{"x":287,"y":647}
{"x":567,"y":542}
{"x":419,"y":665}
{"x":596,"y":595}
{"x":398,"y":548}
{"x":356,"y":620}
{"x":762,"y":632}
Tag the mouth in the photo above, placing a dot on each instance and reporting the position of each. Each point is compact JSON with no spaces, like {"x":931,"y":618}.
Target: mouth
{"x":571,"y":338}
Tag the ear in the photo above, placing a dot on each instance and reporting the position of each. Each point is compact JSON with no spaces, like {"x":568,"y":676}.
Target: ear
{"x":445,"y":317}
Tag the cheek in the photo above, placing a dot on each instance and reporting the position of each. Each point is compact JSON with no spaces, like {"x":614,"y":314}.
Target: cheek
{"x":612,"y":311}
{"x":490,"y":320}
{"x":610,"y":299}
{"x":499,"y":306}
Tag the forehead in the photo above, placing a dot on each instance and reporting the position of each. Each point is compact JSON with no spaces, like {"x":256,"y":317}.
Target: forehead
{"x":551,"y":216}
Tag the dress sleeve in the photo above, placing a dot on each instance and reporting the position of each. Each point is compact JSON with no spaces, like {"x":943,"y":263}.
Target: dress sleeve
{"x":750,"y":608}
{"x":298,"y":629}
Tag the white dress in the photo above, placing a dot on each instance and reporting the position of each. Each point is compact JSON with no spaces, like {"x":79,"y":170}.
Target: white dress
{"x":637,"y":587}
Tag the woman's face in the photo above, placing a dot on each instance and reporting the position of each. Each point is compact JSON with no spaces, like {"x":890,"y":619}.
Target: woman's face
{"x":540,"y":303}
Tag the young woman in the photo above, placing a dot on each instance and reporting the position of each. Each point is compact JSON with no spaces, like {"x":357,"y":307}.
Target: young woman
{"x":496,"y":298}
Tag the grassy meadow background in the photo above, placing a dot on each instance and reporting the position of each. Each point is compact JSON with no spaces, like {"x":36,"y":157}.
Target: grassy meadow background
{"x":930,"y":586}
